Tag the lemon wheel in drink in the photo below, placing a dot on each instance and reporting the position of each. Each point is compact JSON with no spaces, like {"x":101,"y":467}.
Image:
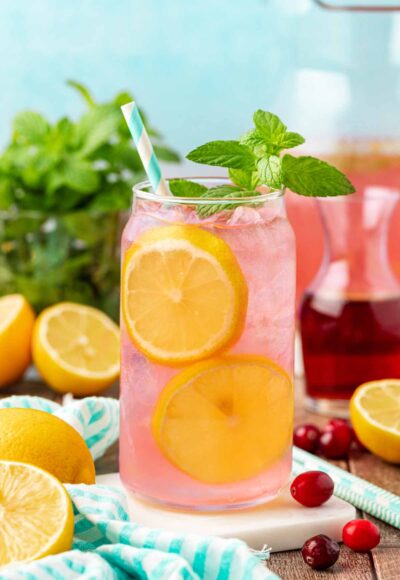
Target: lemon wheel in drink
{"x":225,"y":419}
{"x":184,"y":296}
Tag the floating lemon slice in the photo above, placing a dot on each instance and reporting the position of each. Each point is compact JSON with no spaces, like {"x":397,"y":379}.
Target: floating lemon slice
{"x":184,"y":295}
{"x":375,"y":415}
{"x":225,"y":419}
{"x":16,"y":325}
{"x":36,"y":517}
{"x":76,"y":348}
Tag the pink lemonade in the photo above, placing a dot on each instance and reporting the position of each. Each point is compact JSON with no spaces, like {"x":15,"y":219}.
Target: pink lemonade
{"x":214,"y":432}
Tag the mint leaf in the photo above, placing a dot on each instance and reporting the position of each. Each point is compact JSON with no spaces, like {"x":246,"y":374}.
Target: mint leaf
{"x":252,"y":139}
{"x":186,"y":188}
{"x":83,"y":91}
{"x":30,"y":127}
{"x":315,"y":178}
{"x":291,"y":140}
{"x":220,"y":192}
{"x":241,"y":178}
{"x":95,"y":128}
{"x":223,"y":154}
{"x":270,"y":126}
{"x":269,"y":171}
{"x":80,"y":176}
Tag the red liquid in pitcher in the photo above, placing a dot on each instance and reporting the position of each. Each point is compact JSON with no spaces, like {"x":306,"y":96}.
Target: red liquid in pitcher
{"x":348,"y":342}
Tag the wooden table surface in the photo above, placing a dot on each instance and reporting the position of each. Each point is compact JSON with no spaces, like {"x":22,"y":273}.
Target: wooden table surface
{"x":383,"y":563}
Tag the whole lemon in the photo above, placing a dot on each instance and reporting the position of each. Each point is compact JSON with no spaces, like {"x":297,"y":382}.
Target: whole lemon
{"x":44,"y":440}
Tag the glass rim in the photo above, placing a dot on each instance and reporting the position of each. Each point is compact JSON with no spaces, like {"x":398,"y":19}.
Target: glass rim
{"x":140,"y":191}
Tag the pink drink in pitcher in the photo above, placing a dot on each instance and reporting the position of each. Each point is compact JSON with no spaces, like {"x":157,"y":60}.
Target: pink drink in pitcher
{"x":207,"y":330}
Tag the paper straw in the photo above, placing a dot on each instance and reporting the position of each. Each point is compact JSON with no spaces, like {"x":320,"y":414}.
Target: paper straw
{"x":364,"y":495}
{"x":145,"y":148}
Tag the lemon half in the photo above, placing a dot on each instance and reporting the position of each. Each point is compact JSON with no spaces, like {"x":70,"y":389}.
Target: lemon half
{"x":375,"y":415}
{"x":36,"y":516}
{"x":76,"y":348}
{"x":16,"y":325}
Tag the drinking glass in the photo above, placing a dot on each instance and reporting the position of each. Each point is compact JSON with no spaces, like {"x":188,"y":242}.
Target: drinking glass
{"x":207,"y":333}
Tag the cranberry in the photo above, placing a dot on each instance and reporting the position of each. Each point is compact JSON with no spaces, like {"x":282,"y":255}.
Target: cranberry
{"x":312,"y":488}
{"x":335,"y":422}
{"x":320,"y":552}
{"x":356,"y":443}
{"x":307,"y":437}
{"x":361,"y":535}
{"x":335,"y":441}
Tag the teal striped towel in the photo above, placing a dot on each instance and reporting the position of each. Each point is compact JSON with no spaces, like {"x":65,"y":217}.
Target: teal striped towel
{"x":107,"y":545}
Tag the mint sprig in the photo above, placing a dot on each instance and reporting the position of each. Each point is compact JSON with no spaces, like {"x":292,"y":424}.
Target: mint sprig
{"x":257,"y":159}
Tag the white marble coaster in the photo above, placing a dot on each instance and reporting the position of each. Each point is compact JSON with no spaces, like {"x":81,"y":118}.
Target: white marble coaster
{"x":283,"y":524}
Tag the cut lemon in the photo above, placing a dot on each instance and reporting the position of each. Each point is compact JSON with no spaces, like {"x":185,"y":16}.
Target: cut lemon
{"x":76,"y":348}
{"x":184,"y":295}
{"x":36,"y":516}
{"x":225,"y":419}
{"x":375,"y":415}
{"x":16,"y":325}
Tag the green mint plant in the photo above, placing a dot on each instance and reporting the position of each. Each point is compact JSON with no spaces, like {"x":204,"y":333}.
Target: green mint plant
{"x":72,"y":165}
{"x":62,"y":188}
{"x":258,"y":159}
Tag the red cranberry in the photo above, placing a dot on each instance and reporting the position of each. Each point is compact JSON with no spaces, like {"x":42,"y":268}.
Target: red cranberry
{"x":320,"y":552}
{"x":361,"y":535}
{"x":336,"y":422}
{"x":335,"y":441}
{"x":312,"y":488}
{"x":307,"y":437}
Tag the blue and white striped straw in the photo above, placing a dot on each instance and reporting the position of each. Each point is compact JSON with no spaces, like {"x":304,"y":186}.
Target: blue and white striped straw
{"x":364,"y":495}
{"x":145,"y":148}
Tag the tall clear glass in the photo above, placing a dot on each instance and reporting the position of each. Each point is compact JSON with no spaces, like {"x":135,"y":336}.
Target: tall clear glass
{"x":350,"y":315}
{"x":207,"y":329}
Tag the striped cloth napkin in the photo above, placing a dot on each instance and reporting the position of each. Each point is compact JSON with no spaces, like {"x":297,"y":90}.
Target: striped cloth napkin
{"x":107,"y":544}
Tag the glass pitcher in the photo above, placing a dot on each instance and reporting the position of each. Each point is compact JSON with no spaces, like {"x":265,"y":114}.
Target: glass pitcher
{"x":350,"y":315}
{"x":340,"y":88}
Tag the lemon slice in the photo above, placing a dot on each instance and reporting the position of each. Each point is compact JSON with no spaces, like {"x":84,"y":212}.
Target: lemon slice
{"x":76,"y":348}
{"x":36,"y":516}
{"x":375,"y":415}
{"x":184,"y":295}
{"x":225,"y":419}
{"x":16,"y":325}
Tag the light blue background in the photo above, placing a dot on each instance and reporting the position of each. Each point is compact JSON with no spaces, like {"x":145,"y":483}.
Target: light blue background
{"x":201,"y":67}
